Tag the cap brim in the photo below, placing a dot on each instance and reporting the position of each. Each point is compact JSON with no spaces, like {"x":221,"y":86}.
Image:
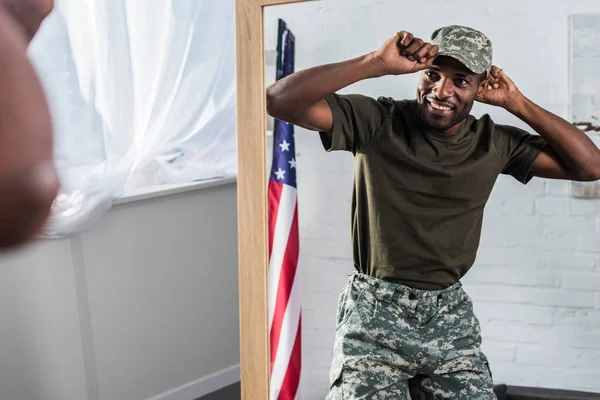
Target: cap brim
{"x":472,"y":66}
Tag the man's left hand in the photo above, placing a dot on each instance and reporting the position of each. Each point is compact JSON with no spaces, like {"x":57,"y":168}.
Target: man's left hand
{"x":498,"y":89}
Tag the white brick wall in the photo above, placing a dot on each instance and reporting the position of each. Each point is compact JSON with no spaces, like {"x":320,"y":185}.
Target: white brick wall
{"x":536,"y":282}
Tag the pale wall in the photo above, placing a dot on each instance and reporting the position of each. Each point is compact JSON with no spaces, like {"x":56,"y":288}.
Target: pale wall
{"x":142,"y":306}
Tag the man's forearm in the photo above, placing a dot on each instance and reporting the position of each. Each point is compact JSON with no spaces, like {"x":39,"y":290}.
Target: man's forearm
{"x":576,"y":150}
{"x":28,"y":180}
{"x":302,"y":89}
{"x":25,"y":122}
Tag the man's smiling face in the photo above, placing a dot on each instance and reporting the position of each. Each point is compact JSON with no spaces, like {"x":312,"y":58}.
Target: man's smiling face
{"x":446,"y":93}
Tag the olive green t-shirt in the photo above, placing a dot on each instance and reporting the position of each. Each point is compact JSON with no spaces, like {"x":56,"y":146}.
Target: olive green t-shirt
{"x":419,"y":195}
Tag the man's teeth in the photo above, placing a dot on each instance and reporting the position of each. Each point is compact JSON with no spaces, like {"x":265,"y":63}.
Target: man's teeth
{"x":438,"y":107}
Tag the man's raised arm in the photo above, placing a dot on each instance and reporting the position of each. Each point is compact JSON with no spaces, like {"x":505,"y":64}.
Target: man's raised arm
{"x":570,"y":154}
{"x":299,"y":97}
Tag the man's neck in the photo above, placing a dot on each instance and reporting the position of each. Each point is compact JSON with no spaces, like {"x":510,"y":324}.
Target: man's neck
{"x":454,"y":129}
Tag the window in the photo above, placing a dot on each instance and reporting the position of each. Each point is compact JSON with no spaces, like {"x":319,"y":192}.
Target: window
{"x":142,"y":92}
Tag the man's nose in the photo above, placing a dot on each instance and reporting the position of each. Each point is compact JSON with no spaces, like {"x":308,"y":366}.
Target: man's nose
{"x":443,"y":89}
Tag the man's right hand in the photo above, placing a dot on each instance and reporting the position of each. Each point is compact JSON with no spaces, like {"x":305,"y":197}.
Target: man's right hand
{"x":405,"y":54}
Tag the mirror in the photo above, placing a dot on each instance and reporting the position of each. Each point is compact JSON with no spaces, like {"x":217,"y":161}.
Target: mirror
{"x":534,"y":283}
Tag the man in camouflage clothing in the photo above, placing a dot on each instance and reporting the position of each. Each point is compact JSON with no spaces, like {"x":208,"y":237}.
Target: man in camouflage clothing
{"x":424,"y":169}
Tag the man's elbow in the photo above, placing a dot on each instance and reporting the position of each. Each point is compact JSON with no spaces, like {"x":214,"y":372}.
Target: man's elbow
{"x":588,"y":175}
{"x":595,"y":174}
{"x":25,"y":204}
{"x":589,"y":169}
{"x":277,"y":106}
{"x":273,"y":102}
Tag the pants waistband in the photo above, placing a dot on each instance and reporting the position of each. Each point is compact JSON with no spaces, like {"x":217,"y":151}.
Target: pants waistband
{"x":391,"y":290}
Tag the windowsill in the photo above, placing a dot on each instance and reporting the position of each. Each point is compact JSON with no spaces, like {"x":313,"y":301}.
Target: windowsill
{"x":153,"y":192}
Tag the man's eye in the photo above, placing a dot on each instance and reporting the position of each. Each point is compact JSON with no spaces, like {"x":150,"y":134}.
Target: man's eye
{"x":462,"y":82}
{"x":431,"y":74}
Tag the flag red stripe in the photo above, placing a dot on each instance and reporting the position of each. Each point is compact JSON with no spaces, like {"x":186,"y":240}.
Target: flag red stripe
{"x":290,"y":384}
{"x":286,"y":281}
{"x":275,"y":190}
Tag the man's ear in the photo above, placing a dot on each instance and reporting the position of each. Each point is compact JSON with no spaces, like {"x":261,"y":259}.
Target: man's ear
{"x":482,"y":87}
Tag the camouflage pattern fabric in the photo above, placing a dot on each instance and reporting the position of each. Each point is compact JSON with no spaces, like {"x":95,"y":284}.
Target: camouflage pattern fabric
{"x":469,"y":46}
{"x":395,"y":342}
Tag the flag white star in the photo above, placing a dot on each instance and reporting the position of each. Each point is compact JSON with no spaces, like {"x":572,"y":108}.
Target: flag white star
{"x":292,"y":163}
{"x":285,"y":146}
{"x":280,"y":173}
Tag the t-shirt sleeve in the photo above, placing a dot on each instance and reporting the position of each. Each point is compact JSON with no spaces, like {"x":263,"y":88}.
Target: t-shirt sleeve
{"x":517,"y":150}
{"x":356,"y":119}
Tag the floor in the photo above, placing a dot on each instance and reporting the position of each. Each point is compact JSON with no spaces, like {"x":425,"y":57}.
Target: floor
{"x":227,"y":393}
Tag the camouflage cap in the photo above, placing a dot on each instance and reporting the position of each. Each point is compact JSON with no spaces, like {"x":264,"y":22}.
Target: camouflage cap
{"x":469,"y":46}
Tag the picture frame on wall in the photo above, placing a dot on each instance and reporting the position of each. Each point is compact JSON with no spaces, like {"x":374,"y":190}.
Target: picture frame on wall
{"x":585,"y":87}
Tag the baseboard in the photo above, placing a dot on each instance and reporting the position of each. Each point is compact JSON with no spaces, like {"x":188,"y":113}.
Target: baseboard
{"x":203,"y":386}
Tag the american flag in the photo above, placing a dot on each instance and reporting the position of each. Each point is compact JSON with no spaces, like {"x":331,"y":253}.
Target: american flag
{"x":284,"y":298}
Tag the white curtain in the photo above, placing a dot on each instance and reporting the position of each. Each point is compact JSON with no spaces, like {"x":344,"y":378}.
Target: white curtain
{"x":142,"y":92}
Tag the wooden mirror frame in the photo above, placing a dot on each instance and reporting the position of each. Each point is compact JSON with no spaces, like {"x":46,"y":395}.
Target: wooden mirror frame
{"x":252,"y":197}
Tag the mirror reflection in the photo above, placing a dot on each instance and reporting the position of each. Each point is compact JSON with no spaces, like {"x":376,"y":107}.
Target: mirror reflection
{"x":434,"y":199}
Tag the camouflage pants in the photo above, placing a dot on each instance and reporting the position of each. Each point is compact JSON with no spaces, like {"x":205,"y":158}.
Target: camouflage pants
{"x":395,"y":342}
